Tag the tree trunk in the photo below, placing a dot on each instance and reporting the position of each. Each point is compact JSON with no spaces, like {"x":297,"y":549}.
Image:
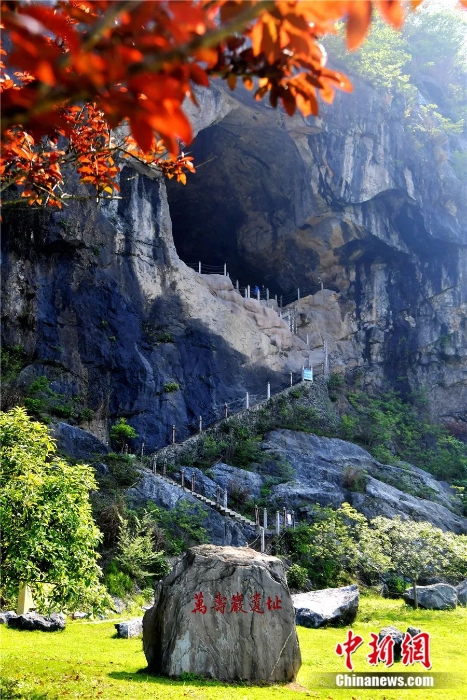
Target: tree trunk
{"x":415,"y":595}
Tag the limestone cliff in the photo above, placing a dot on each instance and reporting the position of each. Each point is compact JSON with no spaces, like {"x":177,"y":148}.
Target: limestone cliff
{"x":103,"y":305}
{"x":359,"y":200}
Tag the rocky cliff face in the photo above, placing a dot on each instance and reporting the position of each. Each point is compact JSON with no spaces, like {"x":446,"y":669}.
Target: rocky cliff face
{"x":354,"y":198}
{"x":104,"y":307}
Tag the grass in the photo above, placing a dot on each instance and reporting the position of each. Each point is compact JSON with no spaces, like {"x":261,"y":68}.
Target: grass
{"x":88,"y":661}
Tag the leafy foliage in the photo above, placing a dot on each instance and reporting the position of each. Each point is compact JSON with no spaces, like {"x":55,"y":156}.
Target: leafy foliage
{"x":49,"y":536}
{"x":80,"y":70}
{"x":390,"y":427}
{"x":418,"y":549}
{"x":341,"y":545}
{"x":136,"y":549}
{"x":182,"y":526}
{"x":121,"y":432}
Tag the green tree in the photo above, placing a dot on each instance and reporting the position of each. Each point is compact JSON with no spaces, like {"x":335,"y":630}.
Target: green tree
{"x":337,"y":547}
{"x":137,"y":552}
{"x":121,"y":432}
{"x":418,"y":549}
{"x":49,"y":536}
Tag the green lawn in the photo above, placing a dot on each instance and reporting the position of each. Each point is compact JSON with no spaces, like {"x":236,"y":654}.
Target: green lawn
{"x":87,"y":661}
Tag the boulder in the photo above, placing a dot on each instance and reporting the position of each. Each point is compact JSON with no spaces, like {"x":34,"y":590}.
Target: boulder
{"x":130,"y":628}
{"x":440,"y":596}
{"x":397,"y":636}
{"x":461,"y":591}
{"x":225,"y":613}
{"x":331,"y":606}
{"x":5,"y":617}
{"x":77,"y":443}
{"x":33,"y":621}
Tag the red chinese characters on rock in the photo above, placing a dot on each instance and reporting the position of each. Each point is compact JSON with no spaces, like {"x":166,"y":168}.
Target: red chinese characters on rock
{"x":237,"y":604}
{"x":274,"y":604}
{"x":199,"y":604}
{"x":415,"y":649}
{"x":255,"y":604}
{"x":348,"y":647}
{"x":220,"y":601}
{"x":381,"y":650}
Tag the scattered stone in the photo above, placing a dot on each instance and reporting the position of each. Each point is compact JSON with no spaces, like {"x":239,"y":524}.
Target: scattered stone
{"x":224,"y":613}
{"x":440,"y":596}
{"x":413,"y":631}
{"x":397,"y":636}
{"x":6,"y":616}
{"x":33,"y":621}
{"x":330,"y":606}
{"x":78,"y":615}
{"x":461,"y":591}
{"x":131,"y":628}
{"x":118,"y":604}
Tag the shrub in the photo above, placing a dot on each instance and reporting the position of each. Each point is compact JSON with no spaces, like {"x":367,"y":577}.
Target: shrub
{"x":165,"y":337}
{"x":297,"y":576}
{"x":169,"y":387}
{"x":136,"y":555}
{"x":355,"y":479}
{"x":116,"y":581}
{"x":122,"y":470}
{"x":335,"y":381}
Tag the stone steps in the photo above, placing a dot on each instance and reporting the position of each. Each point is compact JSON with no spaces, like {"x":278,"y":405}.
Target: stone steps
{"x":207,"y":501}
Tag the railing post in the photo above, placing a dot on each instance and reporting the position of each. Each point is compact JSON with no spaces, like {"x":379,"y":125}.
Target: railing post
{"x":183,"y":478}
{"x":245,"y":293}
{"x":265,"y":518}
{"x":278,"y":523}
{"x":237,"y":287}
{"x":293,"y":520}
{"x":201,"y":424}
{"x":247,"y":401}
{"x":291,"y":378}
{"x":298,"y":294}
{"x":262,"y":540}
{"x":225,"y":498}
{"x":199,"y":267}
{"x":248,"y":291}
{"x":268,"y":394}
{"x":267,"y":294}
{"x":256,"y":515}
{"x":218,"y":496}
{"x":154,"y":464}
{"x":142,"y":449}
{"x":275,"y":298}
{"x":307,"y":340}
{"x":192,"y":482}
{"x":173,"y":435}
{"x":284,"y":516}
{"x":258,"y":295}
{"x":226,"y":410}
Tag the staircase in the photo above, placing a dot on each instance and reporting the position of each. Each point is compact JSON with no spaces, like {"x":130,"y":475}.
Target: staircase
{"x":226,"y":512}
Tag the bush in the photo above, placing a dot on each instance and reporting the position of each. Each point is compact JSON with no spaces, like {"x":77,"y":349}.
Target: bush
{"x":297,"y":576}
{"x":355,"y":479}
{"x":136,"y":555}
{"x":170,"y":387}
{"x":116,"y":581}
{"x":122,"y":470}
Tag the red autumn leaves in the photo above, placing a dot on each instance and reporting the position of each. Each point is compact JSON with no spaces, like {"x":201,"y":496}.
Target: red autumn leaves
{"x":75,"y":71}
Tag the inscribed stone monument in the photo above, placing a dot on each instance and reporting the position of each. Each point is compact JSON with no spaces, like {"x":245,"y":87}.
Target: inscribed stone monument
{"x":225,"y":613}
